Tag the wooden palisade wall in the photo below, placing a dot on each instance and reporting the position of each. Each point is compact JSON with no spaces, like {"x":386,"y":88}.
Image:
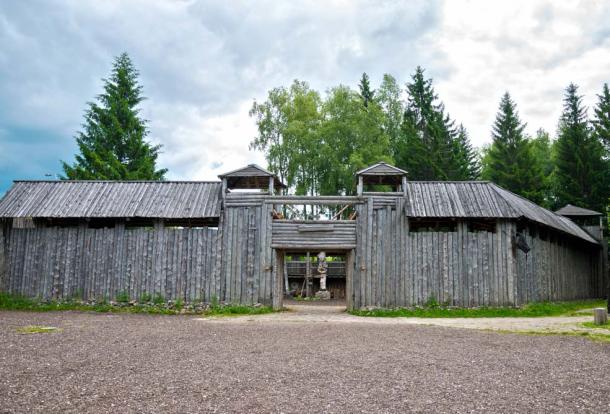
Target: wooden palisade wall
{"x":246,"y":263}
{"x":95,"y":264}
{"x":395,"y":267}
{"x":389,"y":264}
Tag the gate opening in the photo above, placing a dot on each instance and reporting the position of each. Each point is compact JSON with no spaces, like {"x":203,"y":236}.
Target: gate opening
{"x":316,"y":277}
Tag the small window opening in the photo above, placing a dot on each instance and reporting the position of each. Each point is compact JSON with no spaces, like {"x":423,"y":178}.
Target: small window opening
{"x":438,"y":225}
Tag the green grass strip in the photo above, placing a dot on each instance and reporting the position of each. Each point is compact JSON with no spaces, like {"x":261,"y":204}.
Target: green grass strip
{"x":537,"y":309}
{"x":19,"y":303}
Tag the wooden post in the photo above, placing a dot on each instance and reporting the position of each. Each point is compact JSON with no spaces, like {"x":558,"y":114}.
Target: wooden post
{"x":286,"y":287}
{"x":404,"y":185}
{"x":600,"y":316}
{"x":224,"y":188}
{"x":3,"y":255}
{"x":308,"y":277}
{"x":278,"y":292}
{"x":271,"y":182}
{"x":360,"y":188}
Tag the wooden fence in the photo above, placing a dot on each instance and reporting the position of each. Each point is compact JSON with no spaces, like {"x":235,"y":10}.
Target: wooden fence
{"x":94,"y":264}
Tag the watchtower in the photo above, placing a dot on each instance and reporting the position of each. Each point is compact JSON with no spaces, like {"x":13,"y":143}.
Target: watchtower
{"x":251,"y":177}
{"x":382,"y":174}
{"x":591,"y":221}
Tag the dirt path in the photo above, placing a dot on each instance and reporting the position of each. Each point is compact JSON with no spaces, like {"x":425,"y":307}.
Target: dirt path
{"x":308,"y":313}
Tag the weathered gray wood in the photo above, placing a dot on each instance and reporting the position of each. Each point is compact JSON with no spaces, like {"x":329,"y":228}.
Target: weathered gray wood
{"x":600,"y":316}
{"x":100,"y":263}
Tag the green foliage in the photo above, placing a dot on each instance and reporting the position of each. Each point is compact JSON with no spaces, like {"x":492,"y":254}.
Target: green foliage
{"x":510,"y":160}
{"x":601,"y":121}
{"x":432,"y":303}
{"x":388,"y":98}
{"x":581,"y":170}
{"x":316,"y":146}
{"x":231,"y":310}
{"x":531,"y":310}
{"x":19,"y":303}
{"x":158,"y":299}
{"x":112,"y":143}
{"x":430,"y":147}
{"x":145,"y":297}
{"x":366,"y":93}
{"x":122,"y":297}
{"x":542,"y":152}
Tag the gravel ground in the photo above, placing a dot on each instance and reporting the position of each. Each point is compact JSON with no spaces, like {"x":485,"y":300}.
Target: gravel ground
{"x":143,"y":363}
{"x":310,"y":313}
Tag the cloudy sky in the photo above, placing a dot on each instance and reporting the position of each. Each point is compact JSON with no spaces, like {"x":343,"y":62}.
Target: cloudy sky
{"x":202,"y":63}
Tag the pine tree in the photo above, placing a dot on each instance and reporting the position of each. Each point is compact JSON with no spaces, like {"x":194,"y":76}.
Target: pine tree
{"x":509,"y":161}
{"x":366,"y":93}
{"x":112,"y":144}
{"x":580,"y":169}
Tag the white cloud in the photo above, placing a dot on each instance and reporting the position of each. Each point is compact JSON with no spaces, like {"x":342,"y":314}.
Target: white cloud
{"x":532,"y":49}
{"x":203,"y":62}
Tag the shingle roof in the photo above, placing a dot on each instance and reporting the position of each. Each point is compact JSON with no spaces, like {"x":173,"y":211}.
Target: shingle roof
{"x":570,"y":210}
{"x":251,"y":171}
{"x":88,"y":199}
{"x":381,"y":168}
{"x":481,"y":199}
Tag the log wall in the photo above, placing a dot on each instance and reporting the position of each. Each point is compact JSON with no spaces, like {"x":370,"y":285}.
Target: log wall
{"x":396,"y":267}
{"x":94,"y":264}
{"x":246,"y":261}
{"x":242,"y":261}
{"x":559,"y":269}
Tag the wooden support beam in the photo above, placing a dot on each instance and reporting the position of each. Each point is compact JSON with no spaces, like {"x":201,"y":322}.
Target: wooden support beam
{"x":314,"y":200}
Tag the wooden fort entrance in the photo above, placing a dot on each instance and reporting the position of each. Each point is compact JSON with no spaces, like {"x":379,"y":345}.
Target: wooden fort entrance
{"x":297,"y":275}
{"x":293,"y":240}
{"x":302,"y":275}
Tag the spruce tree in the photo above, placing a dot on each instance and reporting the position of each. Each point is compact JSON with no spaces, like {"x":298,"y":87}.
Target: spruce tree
{"x":601,"y":122}
{"x":509,"y":161}
{"x":429,"y":147}
{"x":112,"y":143}
{"x":580,"y":169}
{"x":366,"y":93}
{"x":467,"y":159}
{"x":542,"y":151}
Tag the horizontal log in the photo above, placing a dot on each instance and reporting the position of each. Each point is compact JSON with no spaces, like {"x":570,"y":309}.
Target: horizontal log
{"x":317,"y":200}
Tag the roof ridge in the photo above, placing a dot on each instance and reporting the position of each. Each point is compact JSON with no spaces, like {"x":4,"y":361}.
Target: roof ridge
{"x":450,"y":181}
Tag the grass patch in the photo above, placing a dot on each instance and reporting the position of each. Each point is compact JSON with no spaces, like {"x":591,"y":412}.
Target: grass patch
{"x":594,"y":326}
{"x":596,"y":337}
{"x":538,"y":309}
{"x":229,"y":310}
{"x":156,"y":307}
{"x":34,"y":329}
